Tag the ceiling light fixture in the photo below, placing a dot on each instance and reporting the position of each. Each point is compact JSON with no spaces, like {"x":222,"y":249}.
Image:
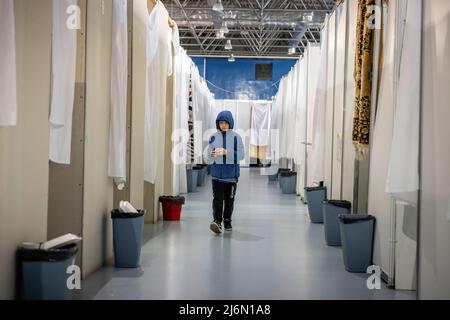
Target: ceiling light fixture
{"x":220,"y":35}
{"x":228,"y":46}
{"x":291,"y":51}
{"x":218,"y":6}
{"x":224,"y":28}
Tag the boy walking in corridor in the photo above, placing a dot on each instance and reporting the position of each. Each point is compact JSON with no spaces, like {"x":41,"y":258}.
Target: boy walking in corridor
{"x":225,"y":151}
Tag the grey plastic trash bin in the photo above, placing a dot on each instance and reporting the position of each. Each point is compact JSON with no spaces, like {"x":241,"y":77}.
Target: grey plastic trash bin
{"x":357,"y":232}
{"x":273,"y":177}
{"x":315,"y":197}
{"x":288,"y":181}
{"x":202,"y":171}
{"x":43,"y":273}
{"x":280,"y":171}
{"x":128,"y":231}
{"x":331,"y":211}
{"x":192,"y":176}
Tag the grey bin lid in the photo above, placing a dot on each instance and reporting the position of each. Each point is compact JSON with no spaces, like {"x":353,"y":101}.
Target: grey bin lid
{"x":355,"y":218}
{"x":287,"y":174}
{"x":51,"y":255}
{"x":117,"y":214}
{"x":339,"y":203}
{"x":308,"y":189}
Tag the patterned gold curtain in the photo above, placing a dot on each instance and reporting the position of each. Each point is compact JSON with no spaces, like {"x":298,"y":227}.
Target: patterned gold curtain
{"x":363,"y":77}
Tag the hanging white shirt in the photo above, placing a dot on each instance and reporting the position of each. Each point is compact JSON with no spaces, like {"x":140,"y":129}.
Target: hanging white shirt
{"x":159,"y":67}
{"x":64,"y":50}
{"x":8,"y":86}
{"x":119,"y":89}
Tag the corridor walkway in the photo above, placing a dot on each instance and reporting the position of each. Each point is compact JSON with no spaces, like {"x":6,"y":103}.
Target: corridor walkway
{"x":272,"y":253}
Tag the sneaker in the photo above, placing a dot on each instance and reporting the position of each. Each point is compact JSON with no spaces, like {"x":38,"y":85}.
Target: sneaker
{"x":227,"y":225}
{"x":216,"y":227}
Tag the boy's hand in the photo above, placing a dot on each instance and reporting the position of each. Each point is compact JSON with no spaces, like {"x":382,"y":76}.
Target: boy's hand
{"x":221,"y":152}
{"x":214,"y":154}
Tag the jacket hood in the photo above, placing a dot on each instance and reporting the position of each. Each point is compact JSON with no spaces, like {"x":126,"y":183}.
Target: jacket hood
{"x":225,"y":116}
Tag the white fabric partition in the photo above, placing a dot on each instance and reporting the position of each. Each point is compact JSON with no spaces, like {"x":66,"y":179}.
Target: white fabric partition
{"x":181,"y":100}
{"x":301,"y":123}
{"x":403,"y":175}
{"x":8,"y":86}
{"x":64,"y":49}
{"x":275,"y":124}
{"x":244,"y":110}
{"x":318,"y":138}
{"x":119,"y":80}
{"x":159,"y":67}
{"x":379,"y":203}
{"x":260,"y":123}
{"x":313,"y":74}
{"x":329,"y":110}
{"x":339,"y":94}
{"x":348,"y":162}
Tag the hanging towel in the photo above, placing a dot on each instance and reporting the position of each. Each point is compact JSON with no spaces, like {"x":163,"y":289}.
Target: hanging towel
{"x":260,"y":124}
{"x":403,"y":177}
{"x":159,"y":67}
{"x":8,"y":86}
{"x":64,"y":50}
{"x":363,"y":78}
{"x":119,"y":88}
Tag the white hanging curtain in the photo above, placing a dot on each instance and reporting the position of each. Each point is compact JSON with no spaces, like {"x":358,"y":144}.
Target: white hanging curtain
{"x":260,"y":124}
{"x":403,"y":176}
{"x":182,"y":106}
{"x":275,"y":124}
{"x":318,"y":139}
{"x":159,"y":67}
{"x":379,"y":203}
{"x":8,"y":86}
{"x":64,"y":60}
{"x":119,"y":86}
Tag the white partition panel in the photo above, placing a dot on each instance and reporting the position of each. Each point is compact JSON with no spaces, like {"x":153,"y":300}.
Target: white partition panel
{"x":329,"y":112}
{"x":313,"y":75}
{"x":339,"y":94}
{"x":348,"y":156}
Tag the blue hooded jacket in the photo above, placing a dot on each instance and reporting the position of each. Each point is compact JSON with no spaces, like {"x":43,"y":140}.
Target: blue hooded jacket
{"x":226,"y":167}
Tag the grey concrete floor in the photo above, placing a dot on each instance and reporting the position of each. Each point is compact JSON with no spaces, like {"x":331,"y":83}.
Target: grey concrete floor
{"x":274,"y":252}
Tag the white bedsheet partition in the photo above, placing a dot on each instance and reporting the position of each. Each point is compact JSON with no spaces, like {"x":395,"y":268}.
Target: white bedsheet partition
{"x":329,"y":111}
{"x":313,"y":75}
{"x":403,"y":174}
{"x":259,"y":135}
{"x":291,"y":115}
{"x":64,"y":49}
{"x":348,"y":162}
{"x":301,"y":123}
{"x":182,"y":76}
{"x":8,"y":86}
{"x":379,"y":202}
{"x":318,"y":135}
{"x":159,"y":67}
{"x":339,"y":93}
{"x":275,"y":125}
{"x":244,"y":110}
{"x":117,"y":164}
{"x":287,"y":115}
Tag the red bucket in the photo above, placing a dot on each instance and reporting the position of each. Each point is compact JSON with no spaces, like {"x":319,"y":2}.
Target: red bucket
{"x":171,"y":211}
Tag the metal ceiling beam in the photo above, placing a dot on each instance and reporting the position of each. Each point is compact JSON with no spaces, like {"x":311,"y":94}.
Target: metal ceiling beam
{"x":189,"y":23}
